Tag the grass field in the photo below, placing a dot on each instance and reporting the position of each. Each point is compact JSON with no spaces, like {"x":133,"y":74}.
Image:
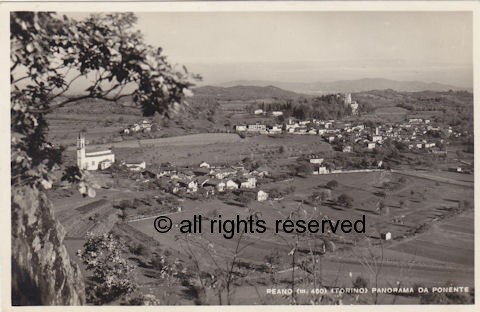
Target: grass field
{"x":212,"y":148}
{"x":432,"y":257}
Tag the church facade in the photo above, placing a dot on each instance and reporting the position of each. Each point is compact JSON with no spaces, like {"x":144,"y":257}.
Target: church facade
{"x":94,"y":160}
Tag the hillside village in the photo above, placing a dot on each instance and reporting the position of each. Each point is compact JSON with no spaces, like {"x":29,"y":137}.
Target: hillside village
{"x":206,"y":179}
{"x":271,"y":162}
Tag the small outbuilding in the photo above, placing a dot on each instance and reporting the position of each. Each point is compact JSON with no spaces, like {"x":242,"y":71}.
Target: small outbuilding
{"x":386,"y":236}
{"x":262,"y":196}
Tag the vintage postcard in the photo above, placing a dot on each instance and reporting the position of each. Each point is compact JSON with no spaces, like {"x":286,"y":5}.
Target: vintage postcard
{"x":240,"y":153}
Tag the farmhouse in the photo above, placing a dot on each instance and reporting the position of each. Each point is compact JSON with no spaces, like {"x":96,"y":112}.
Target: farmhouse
{"x":415,"y":120}
{"x":377,"y":138}
{"x":316,"y":161}
{"x":258,"y":111}
{"x":322,"y":170}
{"x":93,"y":160}
{"x":222,"y":174}
{"x":204,"y":165}
{"x":231,"y":185}
{"x":248,"y":183}
{"x":192,"y":186}
{"x":136,"y":166}
{"x":256,"y":128}
{"x":275,"y":129}
{"x":221,"y":186}
{"x":386,"y":236}
{"x":277,"y":113}
{"x":214,"y":183}
{"x":207,"y":191}
{"x":262,"y":196}
{"x":240,"y":128}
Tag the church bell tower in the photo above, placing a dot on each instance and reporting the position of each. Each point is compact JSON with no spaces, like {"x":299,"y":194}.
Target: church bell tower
{"x":81,"y":150}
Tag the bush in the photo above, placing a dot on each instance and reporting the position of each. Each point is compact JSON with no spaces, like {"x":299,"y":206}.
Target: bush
{"x":345,"y":200}
{"x":332,"y":184}
{"x":304,"y":169}
{"x":360,"y":282}
{"x":111,"y":273}
{"x":138,"y":249}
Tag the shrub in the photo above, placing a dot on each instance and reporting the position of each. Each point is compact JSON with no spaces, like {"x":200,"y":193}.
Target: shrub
{"x":345,"y":200}
{"x":138,"y":249}
{"x":332,"y":184}
{"x":111,"y":273}
{"x":360,"y":282}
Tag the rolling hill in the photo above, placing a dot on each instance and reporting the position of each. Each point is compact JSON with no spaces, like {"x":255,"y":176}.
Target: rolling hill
{"x":342,"y":86}
{"x":245,"y":92}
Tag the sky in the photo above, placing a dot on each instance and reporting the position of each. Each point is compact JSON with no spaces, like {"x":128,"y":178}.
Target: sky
{"x":316,"y":46}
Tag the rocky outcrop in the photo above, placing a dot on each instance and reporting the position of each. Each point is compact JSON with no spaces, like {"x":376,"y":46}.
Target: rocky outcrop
{"x":42,"y":272}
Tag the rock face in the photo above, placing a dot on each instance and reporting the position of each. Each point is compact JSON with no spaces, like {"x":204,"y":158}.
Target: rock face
{"x":42,"y":272}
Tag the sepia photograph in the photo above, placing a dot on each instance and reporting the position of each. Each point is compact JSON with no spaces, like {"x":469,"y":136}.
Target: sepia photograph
{"x":241,"y":157}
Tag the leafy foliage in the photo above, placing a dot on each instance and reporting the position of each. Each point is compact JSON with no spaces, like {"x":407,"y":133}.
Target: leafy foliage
{"x":332,"y":184}
{"x":49,"y":55}
{"x":360,"y":282}
{"x":111,"y":272}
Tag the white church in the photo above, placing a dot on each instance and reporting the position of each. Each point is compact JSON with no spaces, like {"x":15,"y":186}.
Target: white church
{"x":93,"y":160}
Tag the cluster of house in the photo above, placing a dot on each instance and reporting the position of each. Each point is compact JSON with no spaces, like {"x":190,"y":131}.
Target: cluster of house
{"x":313,"y":127}
{"x":209,"y":180}
{"x":143,"y":126}
{"x":259,"y":128}
{"x":416,"y":134}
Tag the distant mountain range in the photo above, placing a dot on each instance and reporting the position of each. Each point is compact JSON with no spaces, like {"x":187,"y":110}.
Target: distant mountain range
{"x":343,"y":86}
